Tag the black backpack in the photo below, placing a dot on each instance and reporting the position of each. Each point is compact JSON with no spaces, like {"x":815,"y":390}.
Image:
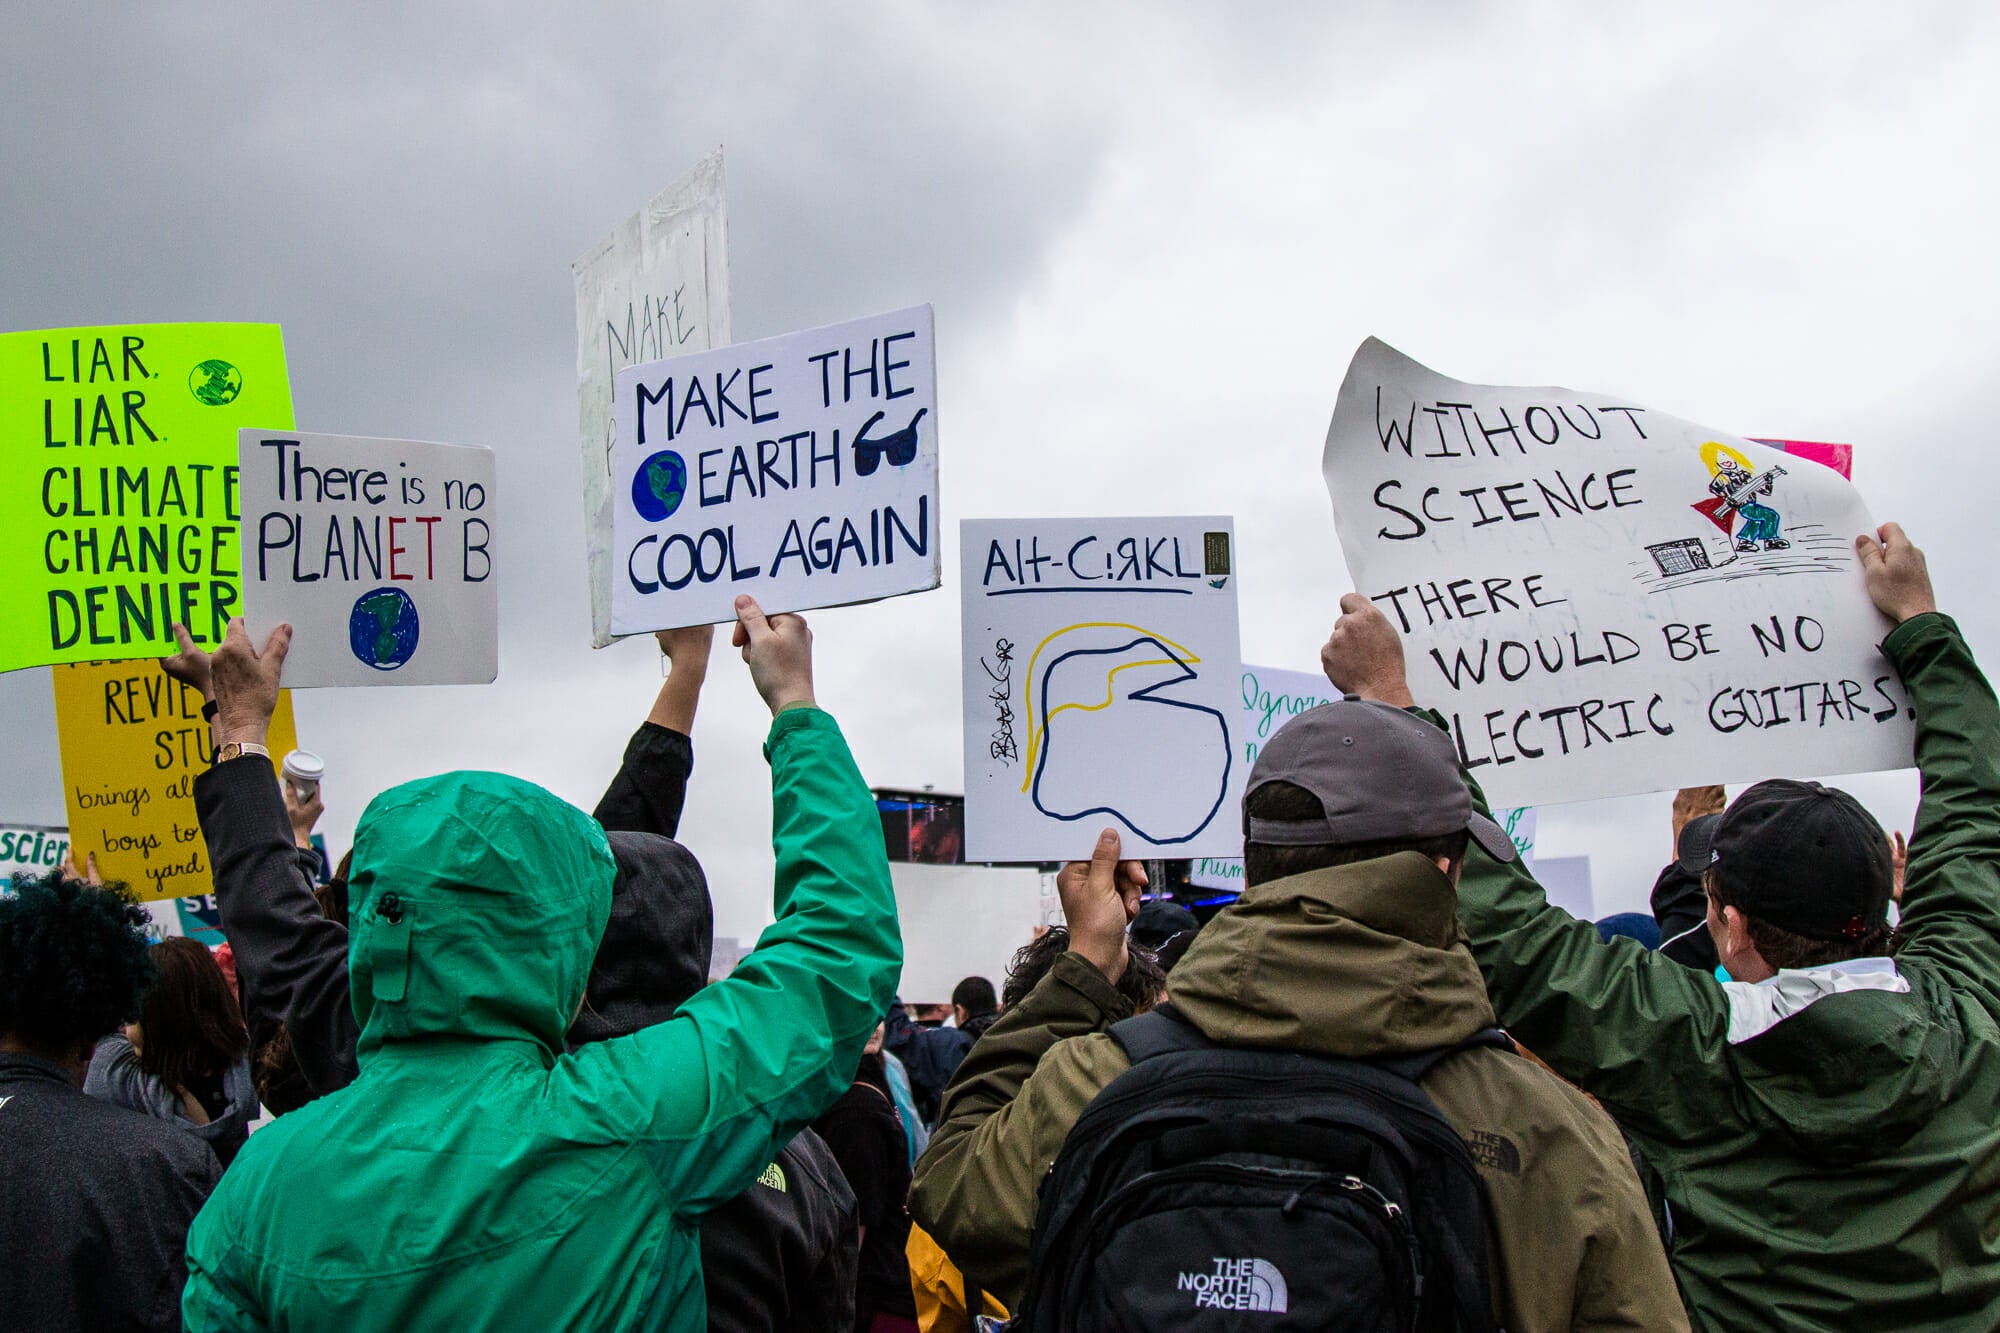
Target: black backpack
{"x":1212,"y":1187}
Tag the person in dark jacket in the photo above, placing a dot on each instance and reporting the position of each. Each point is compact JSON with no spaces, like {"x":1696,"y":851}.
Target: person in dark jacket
{"x":1679,"y":903}
{"x":926,"y":1054}
{"x":866,"y":1137}
{"x":932,"y":1055}
{"x":97,"y":1199}
{"x":781,"y":1255}
{"x":187,"y":1060}
{"x":974,"y":1006}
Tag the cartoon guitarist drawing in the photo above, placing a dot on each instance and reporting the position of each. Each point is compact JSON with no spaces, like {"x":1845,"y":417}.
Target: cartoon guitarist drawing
{"x":1735,"y":488}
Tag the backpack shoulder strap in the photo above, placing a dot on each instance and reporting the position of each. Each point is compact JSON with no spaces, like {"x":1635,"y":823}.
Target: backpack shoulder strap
{"x":1414,"y":1067}
{"x":1162,"y":1030}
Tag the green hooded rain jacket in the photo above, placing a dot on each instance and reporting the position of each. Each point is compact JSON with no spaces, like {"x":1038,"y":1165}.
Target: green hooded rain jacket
{"x":476,"y":1177}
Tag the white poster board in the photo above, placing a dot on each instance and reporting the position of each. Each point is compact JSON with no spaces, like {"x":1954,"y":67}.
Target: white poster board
{"x":961,"y":921}
{"x":657,"y":286}
{"x":801,"y":470}
{"x":1101,"y":687}
{"x":378,"y":552}
{"x":1604,"y":600}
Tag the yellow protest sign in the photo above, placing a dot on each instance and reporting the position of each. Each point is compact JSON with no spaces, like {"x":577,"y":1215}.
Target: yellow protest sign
{"x":118,"y":472}
{"x":133,"y":740}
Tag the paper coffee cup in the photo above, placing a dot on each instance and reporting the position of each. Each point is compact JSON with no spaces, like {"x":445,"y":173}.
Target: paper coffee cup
{"x":304,"y":769}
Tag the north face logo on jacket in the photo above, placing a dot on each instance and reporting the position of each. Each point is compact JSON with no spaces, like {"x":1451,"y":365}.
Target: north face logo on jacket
{"x":1239,"y":1284}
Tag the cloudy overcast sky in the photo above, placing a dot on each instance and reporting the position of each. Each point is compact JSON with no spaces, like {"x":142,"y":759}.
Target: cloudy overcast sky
{"x":1153,"y":236}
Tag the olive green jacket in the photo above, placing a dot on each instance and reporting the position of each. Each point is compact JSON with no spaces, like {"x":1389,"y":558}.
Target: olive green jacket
{"x":1839,"y":1168}
{"x":1359,"y":962}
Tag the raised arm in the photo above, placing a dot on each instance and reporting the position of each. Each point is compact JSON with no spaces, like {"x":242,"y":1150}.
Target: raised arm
{"x":1951,"y":885}
{"x":292,"y":960}
{"x":1599,"y":1012}
{"x":650,"y":788}
{"x":748,"y":1061}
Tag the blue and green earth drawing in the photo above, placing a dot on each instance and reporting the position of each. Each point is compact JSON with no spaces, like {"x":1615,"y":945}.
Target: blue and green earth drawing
{"x":382,"y":629}
{"x":659,"y":485}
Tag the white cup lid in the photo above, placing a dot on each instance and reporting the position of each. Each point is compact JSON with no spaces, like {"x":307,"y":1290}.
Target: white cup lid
{"x":305,"y":766}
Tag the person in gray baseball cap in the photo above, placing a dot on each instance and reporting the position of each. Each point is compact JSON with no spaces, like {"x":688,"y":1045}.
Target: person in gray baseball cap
{"x":1356,"y":779}
{"x":1345,"y":945}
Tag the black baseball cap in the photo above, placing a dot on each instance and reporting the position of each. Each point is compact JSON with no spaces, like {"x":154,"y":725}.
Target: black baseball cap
{"x":1165,"y":928}
{"x":1805,"y":857}
{"x":1380,"y":774}
{"x":1697,"y":841}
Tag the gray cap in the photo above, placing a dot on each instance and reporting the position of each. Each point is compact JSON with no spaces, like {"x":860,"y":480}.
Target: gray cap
{"x":1381,"y":774}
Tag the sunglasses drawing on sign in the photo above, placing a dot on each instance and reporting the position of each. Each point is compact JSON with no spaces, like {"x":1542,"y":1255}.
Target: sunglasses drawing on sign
{"x":900,"y":447}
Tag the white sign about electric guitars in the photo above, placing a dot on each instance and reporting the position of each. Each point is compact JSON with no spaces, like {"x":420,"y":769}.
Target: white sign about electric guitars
{"x":1602,"y":599}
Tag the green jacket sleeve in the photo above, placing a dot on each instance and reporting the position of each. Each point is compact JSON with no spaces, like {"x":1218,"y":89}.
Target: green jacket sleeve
{"x":713,"y":1092}
{"x":1636,"y":1030}
{"x":1006,"y":1113}
{"x":1951,"y":887}
{"x":211,"y":1302}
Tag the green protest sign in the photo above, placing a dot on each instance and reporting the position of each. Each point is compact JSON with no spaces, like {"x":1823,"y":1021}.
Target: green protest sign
{"x":118,"y":483}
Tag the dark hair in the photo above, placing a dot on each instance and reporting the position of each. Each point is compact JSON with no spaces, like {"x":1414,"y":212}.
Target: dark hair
{"x":332,"y":895}
{"x":1784,"y":949}
{"x":873,"y":1070}
{"x":1143,"y":984}
{"x":73,"y":962}
{"x":1263,"y":862}
{"x":975,"y":996}
{"x":194,"y":1029}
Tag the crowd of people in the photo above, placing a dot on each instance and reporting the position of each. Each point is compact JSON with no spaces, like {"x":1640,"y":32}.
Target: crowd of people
{"x":483,"y":1080}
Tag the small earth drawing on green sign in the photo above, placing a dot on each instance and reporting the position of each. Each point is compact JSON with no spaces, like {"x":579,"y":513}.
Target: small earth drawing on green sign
{"x":215,"y":382}
{"x":382,"y":630}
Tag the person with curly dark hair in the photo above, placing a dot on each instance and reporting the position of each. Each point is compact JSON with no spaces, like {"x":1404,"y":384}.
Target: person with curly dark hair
{"x":187,"y":1060}
{"x":99,"y":1198}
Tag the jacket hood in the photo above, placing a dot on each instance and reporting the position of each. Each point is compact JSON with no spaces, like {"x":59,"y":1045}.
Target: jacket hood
{"x":1355,"y":962}
{"x":1853,"y":1070}
{"x":476,"y":902}
{"x":656,"y":949}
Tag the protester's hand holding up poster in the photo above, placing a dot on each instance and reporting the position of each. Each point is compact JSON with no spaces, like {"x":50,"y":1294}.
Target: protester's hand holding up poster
{"x":778,"y":651}
{"x":1899,"y":579}
{"x":1100,"y":899}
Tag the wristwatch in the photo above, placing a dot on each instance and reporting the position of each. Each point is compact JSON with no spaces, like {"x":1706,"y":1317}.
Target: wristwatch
{"x":237,"y":749}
